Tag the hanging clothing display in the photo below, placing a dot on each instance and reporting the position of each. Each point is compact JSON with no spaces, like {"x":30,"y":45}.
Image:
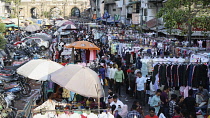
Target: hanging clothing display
{"x":176,"y":75}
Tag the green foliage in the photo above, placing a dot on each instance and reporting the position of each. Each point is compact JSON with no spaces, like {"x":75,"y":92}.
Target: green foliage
{"x":17,"y":2}
{"x":2,"y":27}
{"x":2,"y":39}
{"x":46,"y":14}
{"x":186,"y":12}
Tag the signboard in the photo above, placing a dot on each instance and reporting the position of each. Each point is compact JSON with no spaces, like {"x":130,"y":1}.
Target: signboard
{"x":135,"y":18}
{"x":144,"y":4}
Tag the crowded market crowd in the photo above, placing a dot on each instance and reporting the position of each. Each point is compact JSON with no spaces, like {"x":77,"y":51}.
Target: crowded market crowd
{"x":158,"y":76}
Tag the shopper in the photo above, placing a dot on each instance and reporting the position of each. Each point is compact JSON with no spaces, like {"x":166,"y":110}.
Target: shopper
{"x":119,"y":79}
{"x":172,"y":105}
{"x":132,"y":81}
{"x":156,"y":102}
{"x":113,"y":69}
{"x":134,"y":113}
{"x":164,"y":100}
{"x":151,"y":113}
{"x":190,"y":103}
{"x":139,"y":107}
{"x":140,"y":88}
{"x":116,"y":102}
{"x":177,"y":112}
{"x":202,"y":96}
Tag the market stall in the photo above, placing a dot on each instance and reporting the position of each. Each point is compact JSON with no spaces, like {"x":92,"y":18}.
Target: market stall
{"x":86,"y":84}
{"x":87,"y":48}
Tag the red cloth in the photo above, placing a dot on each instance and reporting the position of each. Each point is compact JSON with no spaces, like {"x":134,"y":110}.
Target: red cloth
{"x":148,"y":116}
{"x":64,"y":64}
{"x":82,"y":116}
{"x":129,"y":71}
{"x":176,"y":117}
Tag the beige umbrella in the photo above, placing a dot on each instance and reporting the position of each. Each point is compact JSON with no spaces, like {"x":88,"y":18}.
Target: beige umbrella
{"x":38,"y":69}
{"x":79,"y":79}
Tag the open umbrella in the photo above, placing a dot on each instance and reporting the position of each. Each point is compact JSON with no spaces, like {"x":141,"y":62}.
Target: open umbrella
{"x":47,"y":23}
{"x":68,"y":22}
{"x":79,"y":79}
{"x":32,"y":28}
{"x":60,"y":23}
{"x":38,"y":69}
{"x":11,"y":25}
{"x":61,"y":29}
{"x":83,"y":45}
{"x":69,"y":27}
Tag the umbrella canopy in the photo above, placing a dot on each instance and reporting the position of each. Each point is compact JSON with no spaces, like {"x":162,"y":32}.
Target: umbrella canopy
{"x":38,"y":69}
{"x":68,"y":22}
{"x":79,"y":79}
{"x":61,"y":29}
{"x":32,"y":28}
{"x":47,"y":23}
{"x":6,"y":21}
{"x":69,"y":27}
{"x":43,"y":36}
{"x":83,"y":45}
{"x":11,"y":25}
{"x":60,"y":23}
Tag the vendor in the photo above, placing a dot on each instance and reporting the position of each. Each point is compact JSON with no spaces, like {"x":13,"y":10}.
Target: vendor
{"x":58,"y":95}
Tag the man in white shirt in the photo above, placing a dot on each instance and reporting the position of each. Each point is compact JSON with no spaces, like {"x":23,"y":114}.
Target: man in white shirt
{"x":112,"y":73}
{"x":116,"y":102}
{"x":141,"y":88}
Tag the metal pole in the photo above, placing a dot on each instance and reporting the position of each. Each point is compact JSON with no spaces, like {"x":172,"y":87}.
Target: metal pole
{"x":157,"y":19}
{"x":18,"y":20}
{"x":96,"y":9}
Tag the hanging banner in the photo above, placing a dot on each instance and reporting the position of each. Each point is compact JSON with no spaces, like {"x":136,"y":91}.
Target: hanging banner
{"x":144,"y":4}
{"x":116,"y":17}
{"x":135,"y":18}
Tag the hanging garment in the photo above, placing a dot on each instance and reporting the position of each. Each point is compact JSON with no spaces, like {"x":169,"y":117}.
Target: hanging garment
{"x":87,"y":55}
{"x":83,"y":56}
{"x":155,"y":72}
{"x":162,"y":75}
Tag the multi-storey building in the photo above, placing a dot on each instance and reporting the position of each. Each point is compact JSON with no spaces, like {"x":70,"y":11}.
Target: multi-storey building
{"x":52,"y":8}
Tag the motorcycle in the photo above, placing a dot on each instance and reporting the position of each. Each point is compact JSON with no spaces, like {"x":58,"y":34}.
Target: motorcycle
{"x":6,"y":110}
{"x":16,"y":85}
{"x":11,"y":88}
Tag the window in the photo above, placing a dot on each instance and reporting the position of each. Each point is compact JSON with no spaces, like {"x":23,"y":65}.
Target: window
{"x":145,"y":12}
{"x":114,"y":10}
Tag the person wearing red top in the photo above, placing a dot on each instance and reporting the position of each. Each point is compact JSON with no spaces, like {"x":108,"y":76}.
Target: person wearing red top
{"x":151,"y":113}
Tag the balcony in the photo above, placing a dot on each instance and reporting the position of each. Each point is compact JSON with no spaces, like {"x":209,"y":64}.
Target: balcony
{"x":109,"y":1}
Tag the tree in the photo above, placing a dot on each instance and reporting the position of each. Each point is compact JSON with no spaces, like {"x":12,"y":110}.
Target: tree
{"x":2,"y":39}
{"x":187,"y":14}
{"x":15,"y":8}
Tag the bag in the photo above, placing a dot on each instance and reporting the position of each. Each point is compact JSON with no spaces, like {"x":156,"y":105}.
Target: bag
{"x":129,"y":88}
{"x":106,"y":82}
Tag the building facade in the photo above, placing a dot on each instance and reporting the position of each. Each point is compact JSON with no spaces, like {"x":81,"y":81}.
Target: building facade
{"x":52,"y":8}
